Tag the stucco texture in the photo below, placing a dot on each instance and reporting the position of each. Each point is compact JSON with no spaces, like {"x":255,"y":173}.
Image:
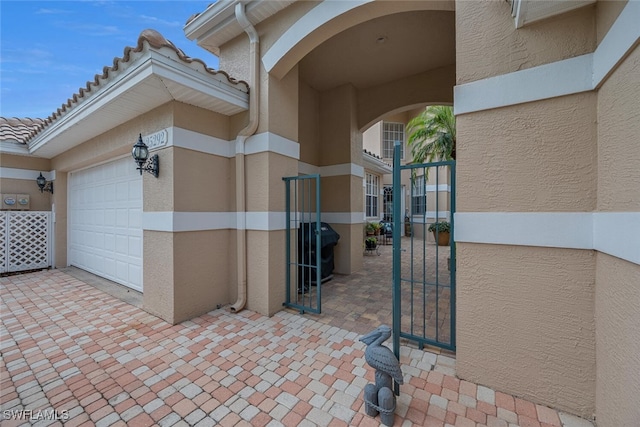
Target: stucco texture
{"x":618,"y":342}
{"x":525,"y":323}
{"x":265,"y":188}
{"x":266,"y":271}
{"x":186,"y":274}
{"x":37,"y":201}
{"x":488,"y":43}
{"x":618,"y":138}
{"x":539,"y":156}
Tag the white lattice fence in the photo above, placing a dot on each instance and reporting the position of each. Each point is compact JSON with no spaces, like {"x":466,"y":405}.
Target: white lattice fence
{"x":27,"y":240}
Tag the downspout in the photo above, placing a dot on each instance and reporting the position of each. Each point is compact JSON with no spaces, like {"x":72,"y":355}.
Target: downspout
{"x":250,"y":129}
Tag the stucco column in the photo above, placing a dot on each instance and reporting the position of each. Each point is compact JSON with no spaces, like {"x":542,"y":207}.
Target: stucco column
{"x":271,"y":154}
{"x":341,"y":157}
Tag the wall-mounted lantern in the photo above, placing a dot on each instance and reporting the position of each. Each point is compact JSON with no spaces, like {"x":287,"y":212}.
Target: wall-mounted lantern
{"x":140,"y":154}
{"x":44,"y":185}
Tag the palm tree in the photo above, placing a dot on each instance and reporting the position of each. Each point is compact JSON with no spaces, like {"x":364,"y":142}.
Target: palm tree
{"x":432,"y":134}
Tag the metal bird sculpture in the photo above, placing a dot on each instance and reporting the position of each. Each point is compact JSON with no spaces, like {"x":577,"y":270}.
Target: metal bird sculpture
{"x":378,"y":356}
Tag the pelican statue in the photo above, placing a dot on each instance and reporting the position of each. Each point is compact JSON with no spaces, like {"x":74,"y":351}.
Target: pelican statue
{"x":380,"y":357}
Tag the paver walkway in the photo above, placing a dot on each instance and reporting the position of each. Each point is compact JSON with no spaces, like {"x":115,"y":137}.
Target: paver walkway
{"x":73,"y":352}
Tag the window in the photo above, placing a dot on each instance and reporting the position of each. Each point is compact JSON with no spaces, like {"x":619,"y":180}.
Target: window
{"x":387,"y":203}
{"x":418,"y":197}
{"x":371,"y":194}
{"x":392,"y":132}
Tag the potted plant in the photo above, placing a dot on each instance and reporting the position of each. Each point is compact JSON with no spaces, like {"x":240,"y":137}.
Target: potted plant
{"x":371,"y":242}
{"x":376,"y":228}
{"x":441,"y":231}
{"x":370,"y":229}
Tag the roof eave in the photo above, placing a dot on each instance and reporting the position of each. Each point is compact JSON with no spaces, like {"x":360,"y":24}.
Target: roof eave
{"x":112,"y":104}
{"x":217,"y":24}
{"x":375,"y":165}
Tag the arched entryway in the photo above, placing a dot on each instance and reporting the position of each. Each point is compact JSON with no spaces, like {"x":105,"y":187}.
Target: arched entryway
{"x":362,"y":66}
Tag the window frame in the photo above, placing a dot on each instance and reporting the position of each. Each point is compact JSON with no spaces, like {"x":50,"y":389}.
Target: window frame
{"x":388,"y":143}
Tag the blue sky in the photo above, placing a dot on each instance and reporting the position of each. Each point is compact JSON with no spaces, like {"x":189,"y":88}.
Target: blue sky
{"x":49,"y":49}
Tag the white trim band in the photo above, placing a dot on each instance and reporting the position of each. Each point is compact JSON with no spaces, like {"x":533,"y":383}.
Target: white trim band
{"x":613,"y":233}
{"x":27,"y":174}
{"x":332,"y":170}
{"x":570,"y":76}
{"x":174,"y":222}
{"x":260,"y":143}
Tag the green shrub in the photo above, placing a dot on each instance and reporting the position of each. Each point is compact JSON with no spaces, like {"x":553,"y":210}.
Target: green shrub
{"x":441,"y":226}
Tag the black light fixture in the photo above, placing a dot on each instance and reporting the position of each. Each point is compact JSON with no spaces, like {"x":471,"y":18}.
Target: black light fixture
{"x":140,"y":154}
{"x":44,"y":185}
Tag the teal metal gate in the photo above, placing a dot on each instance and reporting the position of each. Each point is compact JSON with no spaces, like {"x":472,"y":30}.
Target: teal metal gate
{"x":423,"y":269}
{"x":303,"y":243}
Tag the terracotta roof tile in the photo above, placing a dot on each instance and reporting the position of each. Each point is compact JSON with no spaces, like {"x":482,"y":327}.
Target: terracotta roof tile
{"x":25,"y":129}
{"x":18,"y":130}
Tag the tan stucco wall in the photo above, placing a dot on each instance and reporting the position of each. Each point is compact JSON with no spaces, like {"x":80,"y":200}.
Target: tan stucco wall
{"x":488,"y":44}
{"x":60,"y":200}
{"x":201,"y":272}
{"x":618,"y":130}
{"x":202,"y":121}
{"x":372,"y":139}
{"x":158,"y":277}
{"x":348,"y":252}
{"x":526,"y":323}
{"x":529,"y":157}
{"x":618,"y":281}
{"x":340,"y":139}
{"x":266,"y":271}
{"x":433,"y":87}
{"x":201,"y":182}
{"x":265,"y":188}
{"x":607,"y":12}
{"x":38,"y":164}
{"x":37,"y":201}
{"x":617,"y":342}
{"x":342,"y":193}
{"x":309,"y":124}
{"x":116,"y":142}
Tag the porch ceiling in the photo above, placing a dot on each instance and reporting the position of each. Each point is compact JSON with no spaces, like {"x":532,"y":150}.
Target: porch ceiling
{"x":382,"y":50}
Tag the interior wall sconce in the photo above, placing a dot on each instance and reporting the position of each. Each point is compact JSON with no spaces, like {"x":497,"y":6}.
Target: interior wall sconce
{"x":140,"y":153}
{"x":44,"y":185}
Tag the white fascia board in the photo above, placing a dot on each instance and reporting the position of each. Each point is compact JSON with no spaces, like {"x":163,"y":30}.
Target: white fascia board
{"x":14,"y":148}
{"x":95,"y":101}
{"x":211,"y":19}
{"x":212,"y":86}
{"x":621,"y":38}
{"x":375,"y":165}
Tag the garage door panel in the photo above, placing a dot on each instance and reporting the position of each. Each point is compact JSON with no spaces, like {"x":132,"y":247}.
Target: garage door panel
{"x":105,"y":222}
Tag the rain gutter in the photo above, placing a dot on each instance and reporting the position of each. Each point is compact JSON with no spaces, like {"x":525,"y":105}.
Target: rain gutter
{"x":250,"y":129}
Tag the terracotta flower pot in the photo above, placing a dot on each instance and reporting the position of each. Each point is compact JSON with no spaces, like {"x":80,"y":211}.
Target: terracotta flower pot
{"x":442,"y":238}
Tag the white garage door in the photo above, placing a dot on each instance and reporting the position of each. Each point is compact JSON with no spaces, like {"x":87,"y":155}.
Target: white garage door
{"x":105,"y":222}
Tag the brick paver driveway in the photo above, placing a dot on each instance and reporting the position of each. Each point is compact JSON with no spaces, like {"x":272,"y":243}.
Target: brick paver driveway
{"x":73,"y":355}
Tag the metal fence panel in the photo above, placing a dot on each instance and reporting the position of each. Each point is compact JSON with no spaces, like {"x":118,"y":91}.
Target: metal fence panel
{"x":423,"y":268}
{"x":303,"y":243}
